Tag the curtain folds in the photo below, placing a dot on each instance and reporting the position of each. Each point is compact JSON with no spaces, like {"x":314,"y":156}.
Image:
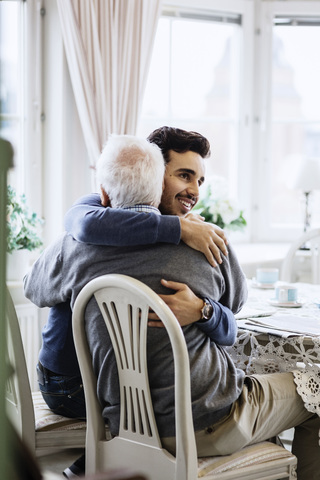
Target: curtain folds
{"x":108,"y":45}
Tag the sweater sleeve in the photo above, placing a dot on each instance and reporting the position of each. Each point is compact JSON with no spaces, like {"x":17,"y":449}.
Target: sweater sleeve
{"x":89,"y":222}
{"x":221,"y":327}
{"x":44,"y":282}
{"x":235,"y":285}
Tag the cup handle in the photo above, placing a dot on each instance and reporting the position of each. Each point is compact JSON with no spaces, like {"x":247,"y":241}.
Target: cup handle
{"x":282,"y":295}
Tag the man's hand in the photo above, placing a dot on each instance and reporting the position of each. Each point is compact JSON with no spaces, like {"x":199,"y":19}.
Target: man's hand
{"x":184,"y":303}
{"x":204,"y":237}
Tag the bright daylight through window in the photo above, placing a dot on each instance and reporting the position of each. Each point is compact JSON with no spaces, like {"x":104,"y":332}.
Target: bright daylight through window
{"x":248,"y":80}
{"x":295,"y":129}
{"x":11,"y":79}
{"x":193,"y":83}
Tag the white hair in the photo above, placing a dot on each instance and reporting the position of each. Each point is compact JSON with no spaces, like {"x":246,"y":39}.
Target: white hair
{"x":131,"y":169}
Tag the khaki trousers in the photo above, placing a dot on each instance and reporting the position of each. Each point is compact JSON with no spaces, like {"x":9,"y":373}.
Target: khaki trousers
{"x":268,"y":405}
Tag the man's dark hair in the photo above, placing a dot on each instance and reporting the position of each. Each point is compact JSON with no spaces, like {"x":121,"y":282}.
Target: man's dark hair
{"x":181,"y":141}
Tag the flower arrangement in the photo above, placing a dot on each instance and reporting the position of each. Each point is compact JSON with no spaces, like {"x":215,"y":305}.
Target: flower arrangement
{"x":21,"y":224}
{"x":216,"y":206}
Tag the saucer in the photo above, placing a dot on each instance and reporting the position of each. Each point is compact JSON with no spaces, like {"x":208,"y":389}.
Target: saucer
{"x":265,"y":286}
{"x":276,"y":303}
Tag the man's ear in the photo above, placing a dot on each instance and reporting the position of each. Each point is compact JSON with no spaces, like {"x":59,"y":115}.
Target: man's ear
{"x":105,"y":200}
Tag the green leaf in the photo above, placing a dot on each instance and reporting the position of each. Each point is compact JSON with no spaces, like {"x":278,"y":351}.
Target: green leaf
{"x":22,"y":225}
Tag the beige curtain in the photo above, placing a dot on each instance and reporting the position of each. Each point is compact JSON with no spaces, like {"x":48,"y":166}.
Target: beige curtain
{"x":108,"y":46}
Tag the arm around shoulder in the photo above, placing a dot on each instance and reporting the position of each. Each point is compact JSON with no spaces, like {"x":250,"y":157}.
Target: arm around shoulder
{"x":90,"y":222}
{"x":204,"y":237}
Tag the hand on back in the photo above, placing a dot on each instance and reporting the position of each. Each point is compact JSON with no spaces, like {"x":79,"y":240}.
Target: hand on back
{"x":204,"y":237}
{"x":184,"y":304}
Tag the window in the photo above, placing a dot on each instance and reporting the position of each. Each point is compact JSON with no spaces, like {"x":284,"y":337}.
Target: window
{"x":289,"y":115}
{"x":21,"y":92}
{"x":295,"y":128}
{"x":245,"y":73}
{"x":12,"y":79}
{"x":194,"y":82}
{"x":247,"y":79}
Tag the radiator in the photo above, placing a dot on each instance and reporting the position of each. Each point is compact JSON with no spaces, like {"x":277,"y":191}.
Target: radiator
{"x":30,"y":326}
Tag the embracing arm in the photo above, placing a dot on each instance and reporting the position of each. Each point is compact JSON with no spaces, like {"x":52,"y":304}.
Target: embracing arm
{"x":90,"y":222}
{"x":204,"y":237}
{"x":221,"y":327}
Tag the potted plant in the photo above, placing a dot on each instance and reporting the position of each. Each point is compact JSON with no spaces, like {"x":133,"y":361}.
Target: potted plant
{"x":22,"y":233}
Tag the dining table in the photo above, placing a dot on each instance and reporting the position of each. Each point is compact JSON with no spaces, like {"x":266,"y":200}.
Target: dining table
{"x":275,"y":337}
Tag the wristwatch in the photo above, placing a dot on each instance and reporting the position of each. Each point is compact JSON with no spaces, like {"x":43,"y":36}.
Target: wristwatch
{"x":207,"y":310}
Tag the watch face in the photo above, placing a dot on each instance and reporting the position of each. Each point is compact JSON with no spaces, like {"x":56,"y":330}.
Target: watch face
{"x":207,"y":311}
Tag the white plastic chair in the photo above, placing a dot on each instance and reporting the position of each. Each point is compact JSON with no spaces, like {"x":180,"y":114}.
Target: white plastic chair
{"x":40,"y":429}
{"x":312,"y":240}
{"x":124,"y":303}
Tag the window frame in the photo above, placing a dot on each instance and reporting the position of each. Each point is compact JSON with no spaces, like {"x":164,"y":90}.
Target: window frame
{"x":245,"y":8}
{"x":265,"y":231}
{"x":253,"y":179}
{"x":33,"y":95}
{"x":26,"y":173}
{"x":17,"y":117}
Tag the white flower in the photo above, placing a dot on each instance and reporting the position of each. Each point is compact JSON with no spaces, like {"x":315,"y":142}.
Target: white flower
{"x":218,"y":186}
{"x":217,"y":207}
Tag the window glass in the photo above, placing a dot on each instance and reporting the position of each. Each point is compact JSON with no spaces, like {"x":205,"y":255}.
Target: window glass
{"x":295,"y":131}
{"x":10,"y":75}
{"x":193,"y":84}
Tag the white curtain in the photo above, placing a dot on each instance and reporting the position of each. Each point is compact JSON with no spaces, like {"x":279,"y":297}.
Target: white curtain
{"x":108,"y":46}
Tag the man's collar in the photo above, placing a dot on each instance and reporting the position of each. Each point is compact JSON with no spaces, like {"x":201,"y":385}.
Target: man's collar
{"x":144,"y":208}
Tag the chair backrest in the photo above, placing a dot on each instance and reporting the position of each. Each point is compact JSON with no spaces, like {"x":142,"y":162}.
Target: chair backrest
{"x":19,"y":405}
{"x":311,"y":240}
{"x":124,"y":303}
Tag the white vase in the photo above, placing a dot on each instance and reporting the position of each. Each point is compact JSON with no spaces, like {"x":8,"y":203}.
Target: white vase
{"x":18,"y":263}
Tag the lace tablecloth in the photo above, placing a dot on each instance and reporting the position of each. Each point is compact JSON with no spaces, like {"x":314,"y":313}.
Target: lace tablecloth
{"x":257,"y":352}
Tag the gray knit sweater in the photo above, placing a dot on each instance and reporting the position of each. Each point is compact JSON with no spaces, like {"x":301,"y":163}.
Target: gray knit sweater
{"x":66,"y":266}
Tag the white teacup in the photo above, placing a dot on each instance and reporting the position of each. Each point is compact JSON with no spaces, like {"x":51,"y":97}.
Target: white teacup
{"x":286,"y":293}
{"x":267,"y":275}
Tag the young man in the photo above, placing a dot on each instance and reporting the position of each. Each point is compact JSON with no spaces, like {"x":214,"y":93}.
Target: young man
{"x":89,"y":222}
{"x":229,"y":411}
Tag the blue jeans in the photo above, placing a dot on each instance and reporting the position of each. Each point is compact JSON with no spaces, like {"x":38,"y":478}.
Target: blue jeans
{"x":64,"y":395}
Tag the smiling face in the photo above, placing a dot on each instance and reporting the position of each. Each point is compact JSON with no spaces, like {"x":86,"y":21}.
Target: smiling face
{"x":183,"y":176}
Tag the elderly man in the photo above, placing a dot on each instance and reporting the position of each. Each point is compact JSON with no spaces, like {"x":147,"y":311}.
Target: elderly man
{"x":230,"y":411}
{"x":140,"y":182}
